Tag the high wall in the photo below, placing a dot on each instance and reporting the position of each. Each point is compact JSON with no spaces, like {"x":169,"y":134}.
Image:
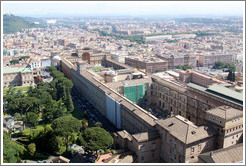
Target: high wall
{"x":127,"y":115}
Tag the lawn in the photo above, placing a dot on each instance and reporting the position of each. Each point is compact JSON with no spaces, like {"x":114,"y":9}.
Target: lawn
{"x":16,"y":89}
{"x":97,"y":68}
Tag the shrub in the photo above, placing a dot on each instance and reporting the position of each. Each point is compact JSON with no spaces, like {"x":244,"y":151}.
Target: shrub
{"x":32,"y":148}
{"x":108,"y":151}
{"x":113,"y":151}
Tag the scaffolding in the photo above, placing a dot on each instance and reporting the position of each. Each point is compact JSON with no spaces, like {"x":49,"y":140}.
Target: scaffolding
{"x":135,"y":93}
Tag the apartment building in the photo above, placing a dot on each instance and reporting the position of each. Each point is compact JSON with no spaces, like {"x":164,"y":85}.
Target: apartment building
{"x":151,"y":65}
{"x":93,"y":57}
{"x":210,"y":59}
{"x":176,"y":60}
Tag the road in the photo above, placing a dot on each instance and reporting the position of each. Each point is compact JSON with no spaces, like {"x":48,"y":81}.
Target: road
{"x":94,"y":115}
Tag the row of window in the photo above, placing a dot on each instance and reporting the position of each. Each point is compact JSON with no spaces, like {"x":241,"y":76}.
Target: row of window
{"x":234,"y":120}
{"x":234,"y":128}
{"x":215,"y":119}
{"x":193,"y":149}
{"x":175,"y":157}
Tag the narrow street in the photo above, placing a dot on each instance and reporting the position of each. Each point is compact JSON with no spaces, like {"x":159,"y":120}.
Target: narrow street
{"x":94,"y":115}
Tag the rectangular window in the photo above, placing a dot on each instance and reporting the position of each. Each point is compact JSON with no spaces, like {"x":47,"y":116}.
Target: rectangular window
{"x":199,"y":147}
{"x":181,"y":149}
{"x":192,"y":150}
{"x":154,"y":145}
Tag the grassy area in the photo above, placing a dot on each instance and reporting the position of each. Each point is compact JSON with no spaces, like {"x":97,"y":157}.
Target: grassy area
{"x":16,"y":89}
{"x":97,"y":68}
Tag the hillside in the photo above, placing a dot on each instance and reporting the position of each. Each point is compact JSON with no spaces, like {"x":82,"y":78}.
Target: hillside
{"x":13,"y":24}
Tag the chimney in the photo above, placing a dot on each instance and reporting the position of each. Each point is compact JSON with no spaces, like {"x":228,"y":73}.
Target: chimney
{"x":211,"y":154}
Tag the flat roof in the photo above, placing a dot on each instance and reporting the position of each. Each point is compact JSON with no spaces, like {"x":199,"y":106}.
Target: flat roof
{"x":226,"y":91}
{"x":16,"y":69}
{"x":221,"y":92}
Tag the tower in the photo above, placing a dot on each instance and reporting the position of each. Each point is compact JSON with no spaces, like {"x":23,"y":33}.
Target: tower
{"x":81,"y":65}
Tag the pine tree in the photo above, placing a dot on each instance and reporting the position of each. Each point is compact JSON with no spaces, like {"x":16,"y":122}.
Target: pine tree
{"x":70,"y":106}
{"x":229,"y":77}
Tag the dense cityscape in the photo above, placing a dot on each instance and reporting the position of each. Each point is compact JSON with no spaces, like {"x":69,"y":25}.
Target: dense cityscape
{"x":122,"y":89}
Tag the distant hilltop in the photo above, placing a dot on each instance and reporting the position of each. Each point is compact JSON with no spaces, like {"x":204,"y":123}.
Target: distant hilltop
{"x":13,"y":24}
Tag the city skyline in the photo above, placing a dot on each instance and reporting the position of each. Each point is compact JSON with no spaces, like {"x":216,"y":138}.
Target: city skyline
{"x":125,"y":8}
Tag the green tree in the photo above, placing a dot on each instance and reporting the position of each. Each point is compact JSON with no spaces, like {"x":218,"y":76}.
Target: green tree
{"x":57,"y":74}
{"x":219,"y":65}
{"x":98,"y":124}
{"x":11,"y":152}
{"x":17,"y":116}
{"x":7,"y":99}
{"x":24,"y":105}
{"x":55,"y":110}
{"x":32,"y":118}
{"x":65,"y":126}
{"x":32,"y":148}
{"x":14,"y":61}
{"x":231,"y":75}
{"x":19,"y":94}
{"x":85,"y":115}
{"x":69,"y":102}
{"x":11,"y":90}
{"x":50,"y":69}
{"x":24,"y":57}
{"x":97,"y":138}
{"x":84,"y":123}
{"x":80,"y":140}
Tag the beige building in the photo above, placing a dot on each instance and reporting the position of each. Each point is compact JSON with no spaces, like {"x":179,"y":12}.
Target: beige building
{"x":174,"y":139}
{"x":17,"y":77}
{"x":210,"y":59}
{"x":229,"y":123}
{"x":146,"y":146}
{"x":198,"y":78}
{"x":182,"y":141}
{"x":176,"y":60}
{"x":232,"y":154}
{"x":93,"y":57}
{"x":151,"y":65}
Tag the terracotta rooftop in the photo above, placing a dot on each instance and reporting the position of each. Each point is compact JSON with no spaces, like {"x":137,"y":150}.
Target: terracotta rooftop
{"x":184,"y":130}
{"x":226,"y":112}
{"x":232,"y":154}
{"x":145,"y":136}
